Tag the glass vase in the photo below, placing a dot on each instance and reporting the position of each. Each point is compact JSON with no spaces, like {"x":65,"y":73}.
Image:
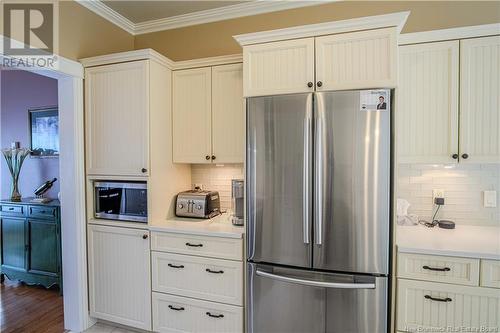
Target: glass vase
{"x":15,"y":195}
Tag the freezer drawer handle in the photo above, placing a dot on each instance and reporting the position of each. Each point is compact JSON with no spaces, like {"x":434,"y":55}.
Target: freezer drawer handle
{"x":316,"y":283}
{"x":439,"y":269}
{"x":215,"y":316}
{"x":214,"y":272}
{"x":176,"y":309}
{"x":194,"y":245}
{"x":447,"y":299}
{"x":175,"y":266}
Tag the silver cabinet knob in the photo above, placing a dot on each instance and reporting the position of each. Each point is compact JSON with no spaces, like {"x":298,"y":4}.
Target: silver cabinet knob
{"x":181,"y":206}
{"x":198,"y":207}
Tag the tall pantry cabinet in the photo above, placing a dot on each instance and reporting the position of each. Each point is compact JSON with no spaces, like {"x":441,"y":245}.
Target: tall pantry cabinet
{"x":128,"y":138}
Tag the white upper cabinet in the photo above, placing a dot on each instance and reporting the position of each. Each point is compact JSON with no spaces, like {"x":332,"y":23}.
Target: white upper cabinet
{"x":427,"y":103}
{"x":356,"y":60}
{"x":283,"y":67}
{"x":228,"y":114}
{"x":208,"y":115}
{"x":117,"y":105}
{"x":480,"y":100}
{"x":192,"y":99}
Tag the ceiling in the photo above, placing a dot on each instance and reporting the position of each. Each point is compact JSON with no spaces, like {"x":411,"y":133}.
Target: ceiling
{"x":142,"y":11}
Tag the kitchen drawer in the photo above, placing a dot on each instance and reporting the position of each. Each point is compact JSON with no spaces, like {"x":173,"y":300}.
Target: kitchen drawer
{"x":42,"y":212}
{"x":182,"y":314}
{"x":430,"y":306}
{"x":12,"y":210}
{"x":215,"y":247}
{"x":439,"y":268}
{"x":210,"y":279}
{"x":490,"y":273}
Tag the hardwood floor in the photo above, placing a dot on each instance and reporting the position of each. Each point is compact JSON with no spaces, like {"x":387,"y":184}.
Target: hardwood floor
{"x":30,"y":309}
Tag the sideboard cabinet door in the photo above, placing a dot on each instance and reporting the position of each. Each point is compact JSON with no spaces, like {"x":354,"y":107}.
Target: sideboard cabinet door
{"x":43,"y":252}
{"x":13,"y":243}
{"x":117,"y":116}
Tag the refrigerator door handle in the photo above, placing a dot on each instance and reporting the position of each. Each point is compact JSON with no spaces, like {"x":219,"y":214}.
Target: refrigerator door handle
{"x":305,"y":177}
{"x":322,"y":284}
{"x":318,"y":177}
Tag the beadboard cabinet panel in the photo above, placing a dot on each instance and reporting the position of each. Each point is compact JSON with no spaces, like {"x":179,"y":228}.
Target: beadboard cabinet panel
{"x":181,"y":314}
{"x":283,"y":67}
{"x":192,"y":99}
{"x":117,"y":119}
{"x":480,"y":100}
{"x":490,"y":273}
{"x":228,"y":114}
{"x":119,"y":275}
{"x":439,"y":268}
{"x":356,"y":60}
{"x":436,"y":306}
{"x":427,"y":103}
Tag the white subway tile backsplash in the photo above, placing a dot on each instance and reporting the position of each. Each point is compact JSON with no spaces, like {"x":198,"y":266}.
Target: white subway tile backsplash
{"x":463,"y":185}
{"x":217,"y":178}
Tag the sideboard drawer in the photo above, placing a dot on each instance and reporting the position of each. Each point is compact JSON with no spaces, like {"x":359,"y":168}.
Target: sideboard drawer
{"x":12,"y":210}
{"x":181,"y":314}
{"x":490,"y":273}
{"x":438,"y":268}
{"x":215,"y":247}
{"x":210,"y":279}
{"x":429,"y":306}
{"x":42,"y":212}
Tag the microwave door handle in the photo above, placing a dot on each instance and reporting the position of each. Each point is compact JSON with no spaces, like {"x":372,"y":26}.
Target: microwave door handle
{"x":305,"y":169}
{"x":312,"y":283}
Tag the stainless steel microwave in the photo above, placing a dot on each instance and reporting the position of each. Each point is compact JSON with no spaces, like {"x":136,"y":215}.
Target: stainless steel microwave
{"x":122,"y":201}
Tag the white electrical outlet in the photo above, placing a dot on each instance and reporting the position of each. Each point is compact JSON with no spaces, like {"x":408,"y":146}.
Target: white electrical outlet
{"x":490,"y":199}
{"x":437,"y":193}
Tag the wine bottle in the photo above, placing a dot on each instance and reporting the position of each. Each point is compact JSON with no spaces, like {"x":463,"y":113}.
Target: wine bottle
{"x":45,"y":187}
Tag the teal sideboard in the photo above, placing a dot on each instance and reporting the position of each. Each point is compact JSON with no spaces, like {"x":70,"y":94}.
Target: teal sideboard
{"x":30,"y":242}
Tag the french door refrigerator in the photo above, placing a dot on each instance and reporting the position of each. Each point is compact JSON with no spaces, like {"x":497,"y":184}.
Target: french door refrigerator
{"x":318,"y":212}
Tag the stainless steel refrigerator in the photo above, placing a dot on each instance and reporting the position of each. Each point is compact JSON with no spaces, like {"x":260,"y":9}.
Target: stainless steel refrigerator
{"x":318,"y":212}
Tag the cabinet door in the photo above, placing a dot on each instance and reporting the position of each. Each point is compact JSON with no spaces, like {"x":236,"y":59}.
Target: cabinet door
{"x":119,"y":275}
{"x":356,"y":60}
{"x":192,"y":102}
{"x":228,"y":114}
{"x":283,"y":67}
{"x":427,"y":103}
{"x":117,"y":119}
{"x":13,"y":242}
{"x":43,"y":253}
{"x":480,"y":100}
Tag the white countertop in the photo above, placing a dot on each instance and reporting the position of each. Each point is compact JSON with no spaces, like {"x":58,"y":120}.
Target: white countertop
{"x":463,"y":241}
{"x":219,"y":226}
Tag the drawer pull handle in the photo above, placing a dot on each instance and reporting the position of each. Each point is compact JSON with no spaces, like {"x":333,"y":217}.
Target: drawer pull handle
{"x":194,"y":245}
{"x":444,"y":269}
{"x":214,"y":272}
{"x":176,"y":309}
{"x":215,"y":316}
{"x":447,"y":299}
{"x":11,"y":208}
{"x":175,"y":266}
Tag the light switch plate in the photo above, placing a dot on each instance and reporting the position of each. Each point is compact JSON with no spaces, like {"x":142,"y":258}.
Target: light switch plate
{"x":490,"y":199}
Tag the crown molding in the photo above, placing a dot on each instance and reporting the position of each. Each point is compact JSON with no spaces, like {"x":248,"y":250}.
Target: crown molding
{"x":127,"y":56}
{"x":222,"y":13}
{"x":205,"y":16}
{"x":450,"y":34}
{"x":211,"y":61}
{"x":364,"y":23}
{"x":109,"y":14}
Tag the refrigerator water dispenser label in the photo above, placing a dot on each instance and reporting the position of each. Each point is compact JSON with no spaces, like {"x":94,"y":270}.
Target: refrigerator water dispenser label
{"x":374,"y":100}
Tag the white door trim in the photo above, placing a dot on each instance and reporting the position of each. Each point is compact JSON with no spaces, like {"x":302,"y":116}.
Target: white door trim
{"x":450,"y":34}
{"x":69,"y":76}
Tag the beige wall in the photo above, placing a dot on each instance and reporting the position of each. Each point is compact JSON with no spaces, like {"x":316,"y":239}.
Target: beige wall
{"x":83,"y":33}
{"x":213,"y":39}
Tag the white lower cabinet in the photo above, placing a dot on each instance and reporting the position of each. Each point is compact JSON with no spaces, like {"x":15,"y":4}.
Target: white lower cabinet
{"x":182,"y":314}
{"x":430,"y":306}
{"x":119,"y":275}
{"x":211,"y":279}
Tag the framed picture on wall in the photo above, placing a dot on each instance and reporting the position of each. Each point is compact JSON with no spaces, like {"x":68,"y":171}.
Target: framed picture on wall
{"x":44,"y":132}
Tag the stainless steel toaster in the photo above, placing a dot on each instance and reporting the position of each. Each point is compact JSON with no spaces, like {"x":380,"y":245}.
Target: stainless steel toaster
{"x":197,"y":203}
